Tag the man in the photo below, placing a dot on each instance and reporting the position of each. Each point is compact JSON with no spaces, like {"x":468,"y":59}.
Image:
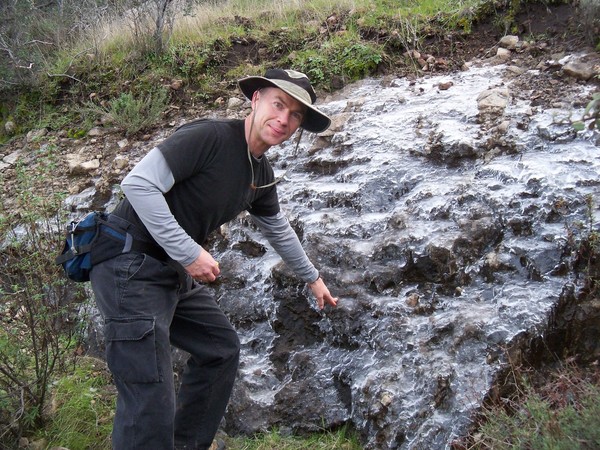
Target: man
{"x":202,"y":176}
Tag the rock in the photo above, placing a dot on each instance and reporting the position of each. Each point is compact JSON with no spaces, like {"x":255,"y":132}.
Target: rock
{"x":337,"y":124}
{"x":96,"y":131}
{"x":503,"y":54}
{"x":34,"y":135}
{"x":13,"y":157}
{"x":509,"y":42}
{"x":9,"y":127}
{"x":176,"y":85}
{"x":79,"y":166}
{"x":412,"y":300}
{"x":515,"y":70}
{"x":121,"y":162}
{"x":235,"y":103}
{"x":579,"y":70}
{"x":502,"y":127}
{"x":493,"y":99}
{"x":40,"y":444}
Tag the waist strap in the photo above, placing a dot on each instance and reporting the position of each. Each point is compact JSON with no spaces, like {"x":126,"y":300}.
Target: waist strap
{"x":124,"y":237}
{"x":120,"y":236}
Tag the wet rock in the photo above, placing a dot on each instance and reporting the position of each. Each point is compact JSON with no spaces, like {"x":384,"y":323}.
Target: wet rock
{"x":493,"y":99}
{"x":579,"y":70}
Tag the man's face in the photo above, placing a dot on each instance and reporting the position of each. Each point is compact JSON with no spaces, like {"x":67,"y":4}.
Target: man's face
{"x":276,"y":116}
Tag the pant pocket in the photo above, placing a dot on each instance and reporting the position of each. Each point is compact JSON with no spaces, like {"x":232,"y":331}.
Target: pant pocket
{"x":131,"y":349}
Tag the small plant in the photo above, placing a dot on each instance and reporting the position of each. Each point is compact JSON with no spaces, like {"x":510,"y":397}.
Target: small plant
{"x":591,"y":115}
{"x":130,"y":113}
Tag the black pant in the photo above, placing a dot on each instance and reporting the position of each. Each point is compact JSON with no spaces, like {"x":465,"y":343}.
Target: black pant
{"x":145,"y":310}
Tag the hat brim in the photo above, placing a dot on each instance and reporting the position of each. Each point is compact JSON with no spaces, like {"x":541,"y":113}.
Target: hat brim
{"x":314,"y":120}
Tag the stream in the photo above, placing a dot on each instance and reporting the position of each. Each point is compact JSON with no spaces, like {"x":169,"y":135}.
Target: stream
{"x":441,"y":228}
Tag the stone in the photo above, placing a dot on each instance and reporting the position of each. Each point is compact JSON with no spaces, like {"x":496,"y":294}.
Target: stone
{"x":176,"y":85}
{"x":9,"y":127}
{"x":78,"y":165}
{"x":493,"y":99}
{"x":13,"y":157}
{"x":503,"y":53}
{"x":578,"y":70}
{"x":96,"y":131}
{"x":34,"y":135}
{"x":509,"y":42}
{"x":235,"y":103}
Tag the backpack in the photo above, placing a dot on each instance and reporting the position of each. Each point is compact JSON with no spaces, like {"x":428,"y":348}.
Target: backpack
{"x":76,"y":257}
{"x":93,"y":239}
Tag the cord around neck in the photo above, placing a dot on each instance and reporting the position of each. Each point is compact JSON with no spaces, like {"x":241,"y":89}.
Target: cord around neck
{"x":253,"y":185}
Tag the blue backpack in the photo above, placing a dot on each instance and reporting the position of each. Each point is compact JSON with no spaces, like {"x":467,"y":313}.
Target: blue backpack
{"x":93,"y":239}
{"x":76,"y":257}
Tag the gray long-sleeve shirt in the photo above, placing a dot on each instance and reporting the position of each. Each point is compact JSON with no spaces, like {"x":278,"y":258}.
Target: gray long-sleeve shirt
{"x":145,"y":187}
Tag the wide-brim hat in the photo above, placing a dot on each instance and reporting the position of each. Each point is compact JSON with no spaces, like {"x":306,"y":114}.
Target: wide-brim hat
{"x":296,"y":85}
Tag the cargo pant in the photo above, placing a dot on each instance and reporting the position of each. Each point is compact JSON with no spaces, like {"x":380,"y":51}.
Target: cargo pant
{"x":145,"y":310}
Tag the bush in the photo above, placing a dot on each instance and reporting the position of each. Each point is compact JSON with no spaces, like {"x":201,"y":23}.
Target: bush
{"x":37,"y":312}
{"x":131,"y":113}
{"x":561,"y":415}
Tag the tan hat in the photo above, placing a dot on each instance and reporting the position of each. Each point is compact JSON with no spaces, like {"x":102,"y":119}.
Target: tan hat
{"x":295,"y":84}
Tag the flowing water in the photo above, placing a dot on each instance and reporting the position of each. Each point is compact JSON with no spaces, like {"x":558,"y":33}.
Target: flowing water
{"x":443,"y":240}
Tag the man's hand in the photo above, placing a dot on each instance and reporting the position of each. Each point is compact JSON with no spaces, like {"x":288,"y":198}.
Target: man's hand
{"x":205,"y":269}
{"x":322,"y":294}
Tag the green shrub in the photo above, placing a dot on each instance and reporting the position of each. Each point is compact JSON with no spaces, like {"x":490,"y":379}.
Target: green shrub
{"x":347,"y":58}
{"x":37,"y":306}
{"x":128,"y":112}
{"x":561,"y":416}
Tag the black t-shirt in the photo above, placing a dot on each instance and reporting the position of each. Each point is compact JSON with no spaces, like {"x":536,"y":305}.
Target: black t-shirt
{"x":210,"y":165}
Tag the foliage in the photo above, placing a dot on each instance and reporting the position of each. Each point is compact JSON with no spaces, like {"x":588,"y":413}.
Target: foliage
{"x":131,"y":113}
{"x":591,"y":115}
{"x":193,"y":61}
{"x":152,"y":21}
{"x":590,"y":20}
{"x":342,"y":439}
{"x":83,"y":403}
{"x":32,"y":32}
{"x":342,"y":58}
{"x":36,"y":310}
{"x":561,"y":414}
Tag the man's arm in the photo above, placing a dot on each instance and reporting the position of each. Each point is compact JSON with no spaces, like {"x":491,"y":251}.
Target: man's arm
{"x":284,"y":240}
{"x":144,"y":187}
